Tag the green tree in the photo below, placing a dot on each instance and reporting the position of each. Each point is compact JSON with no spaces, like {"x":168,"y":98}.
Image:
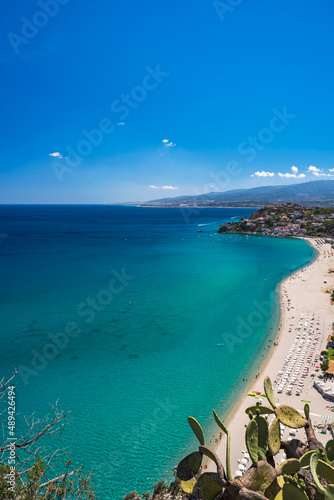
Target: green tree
{"x":324,"y":365}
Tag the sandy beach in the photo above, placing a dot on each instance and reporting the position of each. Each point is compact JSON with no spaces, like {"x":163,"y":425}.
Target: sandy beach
{"x":305,"y":307}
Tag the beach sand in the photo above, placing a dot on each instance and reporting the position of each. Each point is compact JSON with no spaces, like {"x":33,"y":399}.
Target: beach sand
{"x":302,"y":295}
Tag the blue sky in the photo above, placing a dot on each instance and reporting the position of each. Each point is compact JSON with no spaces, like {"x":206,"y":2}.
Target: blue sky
{"x":240,"y":91}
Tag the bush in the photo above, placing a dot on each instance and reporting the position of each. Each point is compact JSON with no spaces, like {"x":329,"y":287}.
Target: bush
{"x":324,"y":365}
{"x":132,"y":496}
{"x":159,"y":487}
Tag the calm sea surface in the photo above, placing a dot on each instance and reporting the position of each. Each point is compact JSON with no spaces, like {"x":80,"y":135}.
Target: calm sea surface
{"x":131,"y":318}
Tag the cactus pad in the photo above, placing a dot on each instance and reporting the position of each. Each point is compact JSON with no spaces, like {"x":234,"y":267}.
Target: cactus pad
{"x":189,"y":466}
{"x":252,"y":436}
{"x":330,"y":450}
{"x":228,"y":444}
{"x":264,"y":410}
{"x":220,"y":423}
{"x":262,"y":444}
{"x":291,"y":492}
{"x":290,"y":466}
{"x":329,"y":493}
{"x":259,"y":478}
{"x":188,"y":486}
{"x":268,"y":389}
{"x":290,"y":417}
{"x":305,"y":459}
{"x":197,"y":430}
{"x":208,"y":487}
{"x":307,"y":411}
{"x":313,"y":467}
{"x":220,"y":469}
{"x":274,"y":437}
{"x":326,"y":471}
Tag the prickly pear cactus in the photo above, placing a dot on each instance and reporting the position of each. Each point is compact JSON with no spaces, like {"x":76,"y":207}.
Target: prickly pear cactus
{"x":290,"y":466}
{"x":207,"y":487}
{"x":228,"y":444}
{"x":330,"y":451}
{"x":268,"y":389}
{"x":252,"y":438}
{"x":318,"y":467}
{"x":290,"y":417}
{"x":262,"y":445}
{"x":307,"y":411}
{"x":264,"y":410}
{"x":287,"y":415}
{"x":262,"y":481}
{"x":274,"y":437}
{"x":188,"y":486}
{"x":189,"y":466}
{"x":325,"y":471}
{"x":197,"y":430}
{"x":259,"y":478}
{"x":291,"y":492}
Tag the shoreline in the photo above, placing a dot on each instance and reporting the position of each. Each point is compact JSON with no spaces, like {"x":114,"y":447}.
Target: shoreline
{"x":289,"y":314}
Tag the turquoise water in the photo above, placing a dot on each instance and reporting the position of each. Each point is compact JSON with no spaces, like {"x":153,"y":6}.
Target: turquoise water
{"x":146,"y":352}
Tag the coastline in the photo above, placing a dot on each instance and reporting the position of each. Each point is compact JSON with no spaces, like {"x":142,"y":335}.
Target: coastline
{"x":318,"y":303}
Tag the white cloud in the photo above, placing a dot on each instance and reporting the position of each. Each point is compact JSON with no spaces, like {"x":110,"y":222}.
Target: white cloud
{"x":294,"y":169}
{"x":264,"y":174}
{"x":288,"y":175}
{"x":318,"y":172}
{"x":152,"y":186}
{"x":168,"y":143}
{"x":58,"y":155}
{"x":121,"y":123}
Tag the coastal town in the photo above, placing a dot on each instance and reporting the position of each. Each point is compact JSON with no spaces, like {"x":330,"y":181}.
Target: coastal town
{"x":286,"y":220}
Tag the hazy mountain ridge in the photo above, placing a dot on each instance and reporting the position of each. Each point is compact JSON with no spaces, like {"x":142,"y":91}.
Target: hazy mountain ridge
{"x":306,"y":193}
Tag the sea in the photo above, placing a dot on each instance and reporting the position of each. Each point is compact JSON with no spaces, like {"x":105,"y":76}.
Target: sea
{"x":132,"y":319}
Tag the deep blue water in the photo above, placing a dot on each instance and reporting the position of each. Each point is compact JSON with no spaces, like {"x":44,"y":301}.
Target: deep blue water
{"x":145,"y":301}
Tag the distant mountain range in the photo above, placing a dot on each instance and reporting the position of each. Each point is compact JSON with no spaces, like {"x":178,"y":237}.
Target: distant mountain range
{"x":311,"y":193}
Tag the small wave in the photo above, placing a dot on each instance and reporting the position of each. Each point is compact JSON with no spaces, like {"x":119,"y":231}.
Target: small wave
{"x":209,"y":223}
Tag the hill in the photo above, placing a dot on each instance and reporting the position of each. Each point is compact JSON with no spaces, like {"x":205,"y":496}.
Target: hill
{"x":312,"y":193}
